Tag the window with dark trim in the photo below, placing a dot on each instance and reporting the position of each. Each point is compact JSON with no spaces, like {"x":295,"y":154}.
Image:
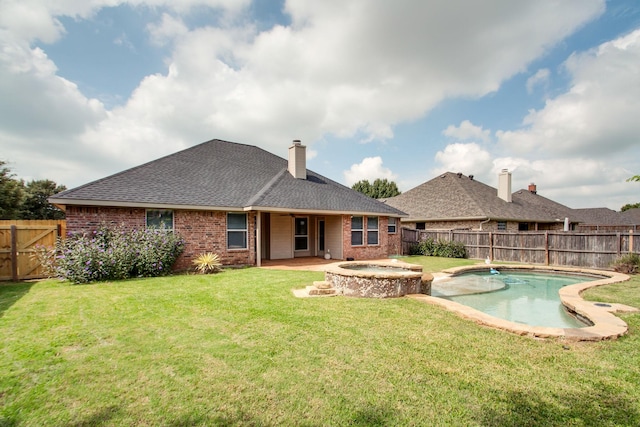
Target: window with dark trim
{"x":357,"y":231}
{"x":502,"y":226}
{"x":160,"y":219}
{"x":236,"y":230}
{"x":420,"y":225}
{"x":372,"y":230}
{"x":523,"y":226}
{"x":391,"y":226}
{"x":301,"y":234}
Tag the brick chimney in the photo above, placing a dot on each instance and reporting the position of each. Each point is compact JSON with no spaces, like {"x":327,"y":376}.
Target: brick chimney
{"x":504,"y":185}
{"x":298,"y":160}
{"x":532,"y":188}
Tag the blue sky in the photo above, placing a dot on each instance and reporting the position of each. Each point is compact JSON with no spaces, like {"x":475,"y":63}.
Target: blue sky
{"x":400,"y":90}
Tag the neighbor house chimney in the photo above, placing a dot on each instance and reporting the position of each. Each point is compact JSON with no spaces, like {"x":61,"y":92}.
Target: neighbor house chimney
{"x":504,"y":185}
{"x":533,"y":189}
{"x":298,"y":160}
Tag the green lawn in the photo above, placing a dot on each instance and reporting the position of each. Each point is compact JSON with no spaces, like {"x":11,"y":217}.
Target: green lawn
{"x":237,"y":348}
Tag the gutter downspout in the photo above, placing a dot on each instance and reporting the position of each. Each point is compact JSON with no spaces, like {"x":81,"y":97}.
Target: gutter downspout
{"x":484,"y":222}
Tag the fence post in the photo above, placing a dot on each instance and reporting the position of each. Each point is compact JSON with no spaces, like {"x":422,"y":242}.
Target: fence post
{"x":14,"y":253}
{"x":491,"y":246}
{"x":631,"y":241}
{"x":546,"y":248}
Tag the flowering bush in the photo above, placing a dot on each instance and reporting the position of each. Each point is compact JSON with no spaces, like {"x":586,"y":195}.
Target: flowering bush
{"x":112,"y":254}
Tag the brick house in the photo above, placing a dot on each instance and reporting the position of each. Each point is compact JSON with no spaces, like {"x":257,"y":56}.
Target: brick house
{"x":241,"y":202}
{"x":453,"y":201}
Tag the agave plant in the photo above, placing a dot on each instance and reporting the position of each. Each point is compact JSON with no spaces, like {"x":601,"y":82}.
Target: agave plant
{"x":207,"y":263}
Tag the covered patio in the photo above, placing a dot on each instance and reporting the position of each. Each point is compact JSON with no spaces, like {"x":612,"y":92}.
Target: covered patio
{"x":303,"y":263}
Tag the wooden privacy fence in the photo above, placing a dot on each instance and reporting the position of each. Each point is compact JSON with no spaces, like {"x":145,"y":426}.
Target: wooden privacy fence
{"x":594,"y":250}
{"x":18,"y":242}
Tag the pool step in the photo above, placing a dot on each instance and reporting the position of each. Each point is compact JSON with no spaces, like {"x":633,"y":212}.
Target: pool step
{"x":321,"y":287}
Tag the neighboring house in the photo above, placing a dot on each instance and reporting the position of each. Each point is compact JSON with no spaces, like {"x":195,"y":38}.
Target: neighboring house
{"x":454,"y":201}
{"x":240,"y":202}
{"x":608,"y":220}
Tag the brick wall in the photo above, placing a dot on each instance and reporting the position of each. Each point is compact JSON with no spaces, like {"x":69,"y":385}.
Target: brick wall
{"x":203,"y":231}
{"x":83,"y":219}
{"x":388,"y":244}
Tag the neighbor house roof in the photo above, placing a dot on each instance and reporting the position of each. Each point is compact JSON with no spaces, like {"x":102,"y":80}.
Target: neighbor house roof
{"x":632,"y":216}
{"x":456,"y":197}
{"x":606,"y":216}
{"x":222,"y":175}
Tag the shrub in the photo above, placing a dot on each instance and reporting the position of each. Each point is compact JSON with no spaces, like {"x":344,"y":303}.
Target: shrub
{"x":441,"y":248}
{"x":415,"y":250}
{"x":207,"y":263}
{"x":628,"y":264}
{"x":113,"y":254}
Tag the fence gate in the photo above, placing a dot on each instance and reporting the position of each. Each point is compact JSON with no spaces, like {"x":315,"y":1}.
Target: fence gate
{"x":17,"y":249}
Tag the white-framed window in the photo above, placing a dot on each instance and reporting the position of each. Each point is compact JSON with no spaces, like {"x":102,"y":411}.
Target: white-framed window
{"x":161,"y":219}
{"x":301,"y":233}
{"x":391,"y":226}
{"x":237,"y":230}
{"x":372,"y":230}
{"x":357,"y":231}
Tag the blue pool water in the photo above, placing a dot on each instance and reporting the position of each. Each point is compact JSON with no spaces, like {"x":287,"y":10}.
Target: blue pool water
{"x":522,"y":297}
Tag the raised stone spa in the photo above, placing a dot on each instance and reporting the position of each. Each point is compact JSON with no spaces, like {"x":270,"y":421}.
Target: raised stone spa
{"x":378,"y":279}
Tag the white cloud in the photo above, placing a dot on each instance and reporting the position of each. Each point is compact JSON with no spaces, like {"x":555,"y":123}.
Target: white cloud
{"x":467,"y":131}
{"x":587,"y":139}
{"x":540,"y":78}
{"x":576,"y":120}
{"x":336,"y":70}
{"x":34,"y":101}
{"x":333,"y":71}
{"x":369,"y":169}
{"x":168,"y":29}
{"x":469,"y":159}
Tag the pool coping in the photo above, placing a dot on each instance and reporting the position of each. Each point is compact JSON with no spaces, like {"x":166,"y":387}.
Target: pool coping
{"x":606,"y":325}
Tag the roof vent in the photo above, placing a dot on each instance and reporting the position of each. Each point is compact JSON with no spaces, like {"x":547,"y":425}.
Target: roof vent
{"x":298,"y":160}
{"x":459,"y":174}
{"x":471,"y":177}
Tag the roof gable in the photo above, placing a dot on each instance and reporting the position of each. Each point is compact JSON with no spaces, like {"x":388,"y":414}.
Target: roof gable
{"x":221,"y":174}
{"x":454,"y":196}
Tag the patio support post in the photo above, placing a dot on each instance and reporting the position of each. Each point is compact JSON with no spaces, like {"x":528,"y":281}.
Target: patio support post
{"x":259,"y":239}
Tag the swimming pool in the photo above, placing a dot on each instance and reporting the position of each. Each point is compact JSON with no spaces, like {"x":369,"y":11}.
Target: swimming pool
{"x":605,"y":325}
{"x":522,"y":297}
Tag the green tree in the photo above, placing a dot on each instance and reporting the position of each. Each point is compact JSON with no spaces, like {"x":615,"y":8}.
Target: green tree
{"x":380,"y":189}
{"x":629,"y":206}
{"x":11,"y":193}
{"x":35,"y":204}
{"x":362,"y":186}
{"x":634,"y":178}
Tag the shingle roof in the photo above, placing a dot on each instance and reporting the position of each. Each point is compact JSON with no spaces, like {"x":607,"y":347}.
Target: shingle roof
{"x":606,"y":216}
{"x":632,"y":216}
{"x":222,"y":174}
{"x":453,"y":196}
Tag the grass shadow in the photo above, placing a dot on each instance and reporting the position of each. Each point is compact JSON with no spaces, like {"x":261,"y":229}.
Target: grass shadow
{"x":10,"y":293}
{"x":99,"y":417}
{"x":530,"y":409}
